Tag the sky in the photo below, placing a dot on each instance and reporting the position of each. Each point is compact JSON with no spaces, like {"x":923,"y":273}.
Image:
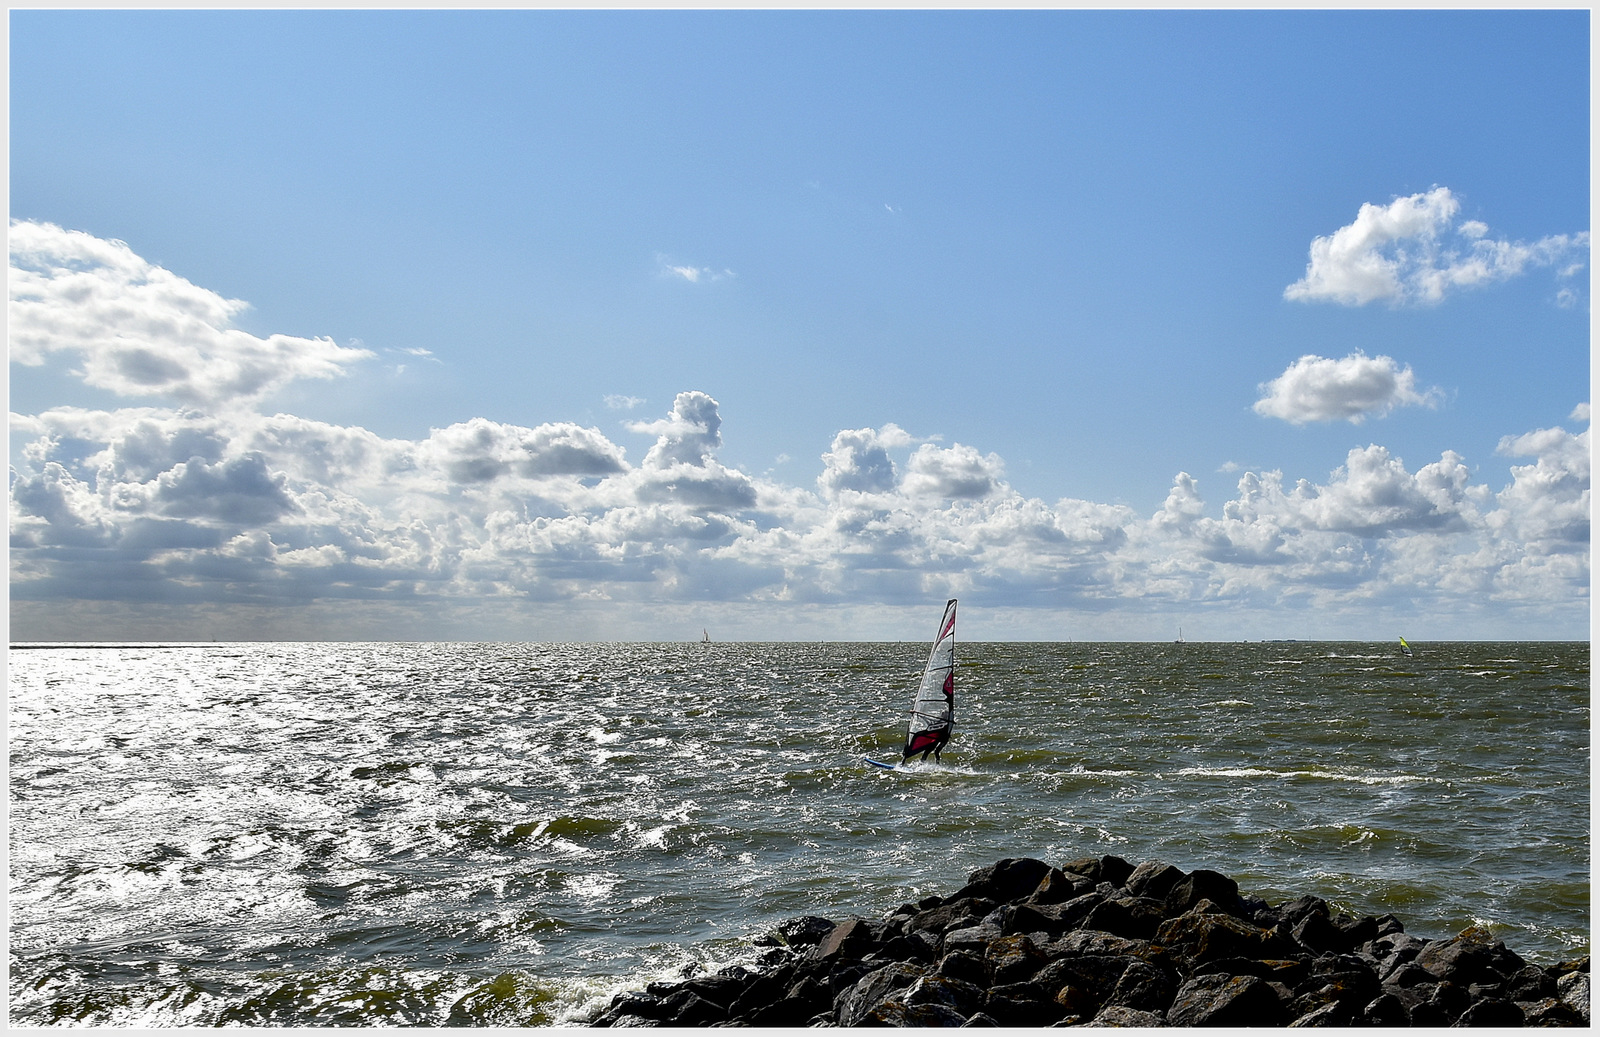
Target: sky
{"x":789,"y":325}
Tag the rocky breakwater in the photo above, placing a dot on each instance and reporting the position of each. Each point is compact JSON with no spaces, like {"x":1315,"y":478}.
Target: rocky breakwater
{"x":1100,"y":942}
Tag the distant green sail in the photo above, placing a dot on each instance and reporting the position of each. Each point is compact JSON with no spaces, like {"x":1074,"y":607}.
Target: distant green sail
{"x":1405,"y":647}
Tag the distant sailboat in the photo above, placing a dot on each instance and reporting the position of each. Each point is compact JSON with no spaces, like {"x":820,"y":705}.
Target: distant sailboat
{"x":1179,"y":641}
{"x":933,"y":709}
{"x":1405,"y":649}
{"x":705,"y":637}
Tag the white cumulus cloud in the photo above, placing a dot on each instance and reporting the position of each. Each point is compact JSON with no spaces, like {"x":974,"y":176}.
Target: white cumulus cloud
{"x":1412,"y":251}
{"x":1357,"y":387}
{"x":141,"y":330}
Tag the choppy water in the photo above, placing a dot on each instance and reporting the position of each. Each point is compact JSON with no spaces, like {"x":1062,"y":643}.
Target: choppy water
{"x":504,"y":834}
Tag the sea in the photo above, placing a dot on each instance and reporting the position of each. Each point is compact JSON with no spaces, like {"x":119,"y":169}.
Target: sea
{"x":452,"y":835}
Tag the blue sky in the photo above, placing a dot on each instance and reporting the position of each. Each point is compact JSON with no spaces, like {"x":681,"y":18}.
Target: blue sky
{"x":839,"y":313}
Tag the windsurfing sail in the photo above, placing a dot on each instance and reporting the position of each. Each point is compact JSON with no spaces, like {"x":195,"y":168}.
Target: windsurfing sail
{"x":705,"y":636}
{"x":1405,"y":648}
{"x":933,"y":711}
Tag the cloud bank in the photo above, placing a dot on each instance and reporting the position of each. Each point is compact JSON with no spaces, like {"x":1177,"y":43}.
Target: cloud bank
{"x":1412,"y":251}
{"x":189,"y":499}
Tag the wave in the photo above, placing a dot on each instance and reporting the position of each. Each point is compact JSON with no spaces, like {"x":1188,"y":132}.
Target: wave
{"x":1316,"y":775}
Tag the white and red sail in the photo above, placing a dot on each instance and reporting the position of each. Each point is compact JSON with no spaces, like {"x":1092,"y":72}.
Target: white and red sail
{"x":933,"y":711}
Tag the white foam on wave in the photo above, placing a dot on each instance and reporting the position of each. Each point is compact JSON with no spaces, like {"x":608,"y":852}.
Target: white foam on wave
{"x":1319,"y":775}
{"x":928,"y":767}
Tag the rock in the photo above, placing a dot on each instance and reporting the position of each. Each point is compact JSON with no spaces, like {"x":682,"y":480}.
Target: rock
{"x":1011,"y":878}
{"x":895,"y":1013}
{"x":919,"y":947}
{"x":1329,"y":1014}
{"x":1429,"y":1014}
{"x":1206,"y":906}
{"x":1153,"y":879}
{"x":1117,"y":1015}
{"x":1013,"y":959}
{"x":1290,"y":972}
{"x":949,"y":915}
{"x":631,"y":1005}
{"x":1550,"y":1011}
{"x":1216,"y":1000}
{"x":1198,"y":939}
{"x":1393,"y":948}
{"x":1449,"y":998}
{"x":1492,"y":1011}
{"x":1353,"y":932}
{"x":804,"y":931}
{"x":973,"y":940}
{"x":1093,"y":941}
{"x":1114,"y":870}
{"x":1573,"y":990}
{"x":1142,"y":986}
{"x":806,"y":997}
{"x":957,"y":994}
{"x":1018,"y":1005}
{"x":1293,"y":911}
{"x":1137,"y":918}
{"x":1344,"y":978}
{"x":1463,"y":960}
{"x":1092,"y":976}
{"x":1385,"y":1010}
{"x":722,"y":988}
{"x":964,"y":966}
{"x":686,"y":1008}
{"x":1087,"y":867}
{"x":871,"y":990}
{"x":1529,"y":983}
{"x":1036,"y":917}
{"x":1069,"y":914}
{"x":759,"y":993}
{"x":1201,"y":885}
{"x":1317,"y":934}
{"x":1058,"y":886}
{"x":981,"y":1019}
{"x":852,"y":939}
{"x":1407,"y":974}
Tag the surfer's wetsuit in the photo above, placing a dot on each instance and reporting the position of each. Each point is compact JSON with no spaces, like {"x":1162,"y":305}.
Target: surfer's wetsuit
{"x":938,"y":744}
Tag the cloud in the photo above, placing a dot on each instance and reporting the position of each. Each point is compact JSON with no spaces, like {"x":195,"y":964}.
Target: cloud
{"x":615,"y":401}
{"x":688,"y":435}
{"x":859,"y":461}
{"x":141,"y":330}
{"x":1409,"y":252}
{"x":1546,"y":507}
{"x":480,"y":451}
{"x":956,"y":473}
{"x":161,"y":507}
{"x":1316,"y":388}
{"x":692,"y":274}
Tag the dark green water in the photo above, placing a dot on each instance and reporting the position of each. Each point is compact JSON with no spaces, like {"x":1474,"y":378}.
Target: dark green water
{"x":382,"y":834}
